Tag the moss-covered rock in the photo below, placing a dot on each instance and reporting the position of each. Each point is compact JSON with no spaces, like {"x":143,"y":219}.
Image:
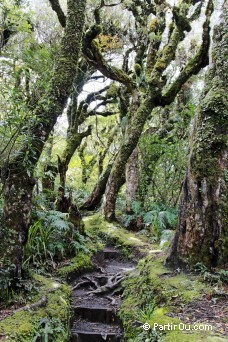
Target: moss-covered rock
{"x":81,"y":262}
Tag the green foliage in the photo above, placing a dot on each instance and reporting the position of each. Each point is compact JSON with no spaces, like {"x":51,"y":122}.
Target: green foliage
{"x":15,"y":17}
{"x":146,"y":312}
{"x":147,"y":336}
{"x":162,"y":169}
{"x":212,"y":276}
{"x":156,"y":217}
{"x":51,"y":239}
{"x":224,"y":275}
{"x":48,"y":329}
{"x":13,"y":289}
{"x":163,"y":154}
{"x":49,"y":322}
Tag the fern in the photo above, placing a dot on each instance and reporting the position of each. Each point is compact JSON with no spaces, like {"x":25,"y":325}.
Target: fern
{"x":51,"y":238}
{"x":156,"y":218}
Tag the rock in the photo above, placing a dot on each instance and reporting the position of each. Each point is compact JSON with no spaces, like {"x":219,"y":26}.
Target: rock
{"x":166,"y":237}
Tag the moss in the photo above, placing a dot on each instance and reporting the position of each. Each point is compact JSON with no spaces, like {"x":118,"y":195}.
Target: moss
{"x":81,"y":262}
{"x":112,"y":91}
{"x":180,"y":336}
{"x":151,"y":293}
{"x":95,"y":226}
{"x":138,"y":69}
{"x":23,"y":325}
{"x":153,"y":25}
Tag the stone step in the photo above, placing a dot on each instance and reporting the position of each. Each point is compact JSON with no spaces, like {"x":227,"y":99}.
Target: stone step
{"x":110,"y":253}
{"x":84,"y":331}
{"x":93,"y":313}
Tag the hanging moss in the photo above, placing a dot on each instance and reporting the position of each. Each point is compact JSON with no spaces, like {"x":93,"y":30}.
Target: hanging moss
{"x":138,"y":69}
{"x":113,"y":91}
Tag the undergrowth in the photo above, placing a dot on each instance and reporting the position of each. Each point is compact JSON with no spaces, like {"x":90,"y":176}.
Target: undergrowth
{"x":155,"y":218}
{"x":51,"y":239}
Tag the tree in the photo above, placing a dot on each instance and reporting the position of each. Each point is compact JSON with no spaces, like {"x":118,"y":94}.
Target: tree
{"x":148,"y":88}
{"x":10,"y":9}
{"x":17,"y":173}
{"x":201,"y":234}
{"x":132,"y":180}
{"x":163,"y":150}
{"x":77,"y":114}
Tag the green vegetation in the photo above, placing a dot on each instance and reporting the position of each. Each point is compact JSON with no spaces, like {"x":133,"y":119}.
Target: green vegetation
{"x":112,"y":233}
{"x":151,"y":294}
{"x":49,"y":321}
{"x":51,"y":239}
{"x":107,"y":106}
{"x":155,"y":218}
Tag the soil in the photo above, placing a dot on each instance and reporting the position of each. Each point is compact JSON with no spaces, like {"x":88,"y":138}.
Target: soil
{"x":97,"y":298}
{"x":212,"y":311}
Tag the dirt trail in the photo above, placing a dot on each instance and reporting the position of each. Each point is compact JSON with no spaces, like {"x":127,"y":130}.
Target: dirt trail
{"x":96,"y":297}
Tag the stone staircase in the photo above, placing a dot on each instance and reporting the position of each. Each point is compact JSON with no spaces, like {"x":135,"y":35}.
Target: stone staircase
{"x":96,"y":302}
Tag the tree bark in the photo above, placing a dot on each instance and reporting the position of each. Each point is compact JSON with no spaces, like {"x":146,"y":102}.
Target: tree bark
{"x":73,"y":142}
{"x":201,"y":234}
{"x":17,"y":173}
{"x":96,"y":195}
{"x":18,"y":187}
{"x":130,"y":140}
{"x":132,"y":180}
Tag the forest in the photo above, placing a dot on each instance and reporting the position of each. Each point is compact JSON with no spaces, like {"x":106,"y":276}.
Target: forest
{"x":113,"y":170}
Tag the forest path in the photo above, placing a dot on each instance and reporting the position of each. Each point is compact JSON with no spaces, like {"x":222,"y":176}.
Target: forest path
{"x":96,"y":298}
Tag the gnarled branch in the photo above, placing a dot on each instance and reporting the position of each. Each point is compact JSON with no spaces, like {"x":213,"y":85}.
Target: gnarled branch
{"x":199,"y":61}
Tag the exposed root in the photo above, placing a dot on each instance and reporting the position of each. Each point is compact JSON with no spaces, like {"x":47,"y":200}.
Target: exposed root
{"x":93,"y":281}
{"x":112,"y":283}
{"x":80,"y":284}
{"x":87,"y":280}
{"x":113,"y":300}
{"x":41,"y":302}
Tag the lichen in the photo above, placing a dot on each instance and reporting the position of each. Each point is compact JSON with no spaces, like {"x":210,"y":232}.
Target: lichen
{"x":153,"y":25}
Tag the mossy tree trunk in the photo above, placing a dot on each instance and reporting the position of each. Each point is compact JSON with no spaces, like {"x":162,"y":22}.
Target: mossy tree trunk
{"x":73,"y":142}
{"x":17,"y":174}
{"x":201,"y":235}
{"x":132,"y":180}
{"x":77,"y":114}
{"x":95,"y":197}
{"x":130,"y":140}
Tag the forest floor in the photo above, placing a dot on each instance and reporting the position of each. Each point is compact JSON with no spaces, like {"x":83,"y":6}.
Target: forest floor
{"x":120,"y":288}
{"x":153,"y":293}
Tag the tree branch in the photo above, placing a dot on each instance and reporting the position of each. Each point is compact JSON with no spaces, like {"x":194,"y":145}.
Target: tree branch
{"x":58,"y":10}
{"x":103,"y":103}
{"x":92,"y":97}
{"x":104,"y":114}
{"x":94,"y":56}
{"x":200,"y":60}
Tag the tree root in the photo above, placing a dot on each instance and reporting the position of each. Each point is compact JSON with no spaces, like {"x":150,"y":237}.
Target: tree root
{"x":113,"y":300}
{"x":111,"y":284}
{"x":80,"y":284}
{"x":87,"y":280}
{"x":40,"y":302}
